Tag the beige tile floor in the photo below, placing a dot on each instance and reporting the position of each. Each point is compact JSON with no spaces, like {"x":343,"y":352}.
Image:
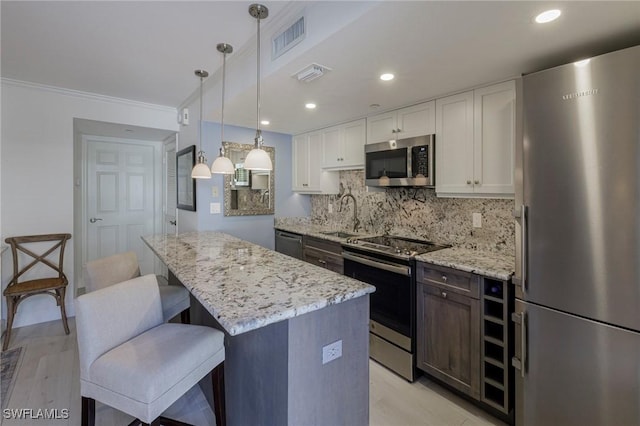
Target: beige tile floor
{"x":48,"y":377}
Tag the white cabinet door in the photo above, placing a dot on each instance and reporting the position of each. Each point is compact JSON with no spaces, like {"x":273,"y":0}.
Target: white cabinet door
{"x":315,"y":153}
{"x":475,"y":142}
{"x":353,"y":141}
{"x":417,"y":120}
{"x":308,"y":176}
{"x":332,"y":146}
{"x":454,"y":144}
{"x":300,"y":164}
{"x":382,"y":127}
{"x":343,"y":146}
{"x":494,"y":138}
{"x":406,"y":122}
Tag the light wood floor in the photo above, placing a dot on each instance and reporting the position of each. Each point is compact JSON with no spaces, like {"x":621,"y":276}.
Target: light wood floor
{"x":48,"y":377}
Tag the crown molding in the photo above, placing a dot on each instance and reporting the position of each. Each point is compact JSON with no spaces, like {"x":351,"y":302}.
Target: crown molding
{"x":86,"y":95}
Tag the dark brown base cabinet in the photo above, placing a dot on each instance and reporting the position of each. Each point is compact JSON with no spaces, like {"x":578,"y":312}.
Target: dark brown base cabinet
{"x":323,"y":253}
{"x":448,"y":325}
{"x":463,"y":333}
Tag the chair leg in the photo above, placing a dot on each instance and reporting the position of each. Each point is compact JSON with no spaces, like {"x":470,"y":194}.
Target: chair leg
{"x":88,"y":411}
{"x":11,"y":310}
{"x":63,"y":313}
{"x":185,"y":316}
{"x":217,"y":376}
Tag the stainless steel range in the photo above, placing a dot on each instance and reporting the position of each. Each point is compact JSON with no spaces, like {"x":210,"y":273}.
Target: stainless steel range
{"x":388,"y":263}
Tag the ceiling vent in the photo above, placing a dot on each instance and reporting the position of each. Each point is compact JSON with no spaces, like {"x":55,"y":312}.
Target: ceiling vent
{"x":286,"y":39}
{"x":311,"y":72}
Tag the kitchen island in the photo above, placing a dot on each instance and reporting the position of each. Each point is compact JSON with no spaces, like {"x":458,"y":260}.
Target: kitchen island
{"x":278,"y":313}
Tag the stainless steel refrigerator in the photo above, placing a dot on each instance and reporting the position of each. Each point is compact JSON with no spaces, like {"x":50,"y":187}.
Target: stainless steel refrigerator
{"x":577,"y":279}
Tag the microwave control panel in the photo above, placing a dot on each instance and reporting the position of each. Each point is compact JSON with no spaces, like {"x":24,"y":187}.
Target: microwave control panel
{"x":420,"y":160}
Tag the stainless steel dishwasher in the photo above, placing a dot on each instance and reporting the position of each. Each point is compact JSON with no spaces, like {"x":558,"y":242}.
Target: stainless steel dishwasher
{"x":289,"y":243}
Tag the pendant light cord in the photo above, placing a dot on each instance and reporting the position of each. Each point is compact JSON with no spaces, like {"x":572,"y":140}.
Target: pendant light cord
{"x":200,"y":124}
{"x":224,"y":66}
{"x":258,"y":132}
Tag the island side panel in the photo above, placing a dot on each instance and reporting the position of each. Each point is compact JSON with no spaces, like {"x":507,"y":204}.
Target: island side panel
{"x":256,"y":368}
{"x":335,"y":393}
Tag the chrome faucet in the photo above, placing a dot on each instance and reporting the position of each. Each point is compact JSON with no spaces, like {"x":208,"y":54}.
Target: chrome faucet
{"x":356,"y":221}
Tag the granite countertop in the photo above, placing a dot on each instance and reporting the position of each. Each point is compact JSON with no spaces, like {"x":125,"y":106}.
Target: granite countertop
{"x":313,"y":230}
{"x":245,"y":286}
{"x":489,"y":264}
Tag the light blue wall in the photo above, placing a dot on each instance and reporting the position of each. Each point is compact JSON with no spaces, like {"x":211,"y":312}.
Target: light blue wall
{"x":257,"y":229}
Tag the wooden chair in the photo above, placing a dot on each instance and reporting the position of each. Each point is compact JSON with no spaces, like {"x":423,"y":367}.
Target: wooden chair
{"x":56,"y":286}
{"x":133,"y":361}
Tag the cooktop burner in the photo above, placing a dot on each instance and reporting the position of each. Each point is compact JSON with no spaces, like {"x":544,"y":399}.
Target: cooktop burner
{"x":395,"y":246}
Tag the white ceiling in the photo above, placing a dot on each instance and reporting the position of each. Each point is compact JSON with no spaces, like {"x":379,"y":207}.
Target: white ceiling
{"x":147,"y":51}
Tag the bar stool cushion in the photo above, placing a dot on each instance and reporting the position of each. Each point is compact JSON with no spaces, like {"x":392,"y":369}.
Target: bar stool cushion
{"x":175,"y":299}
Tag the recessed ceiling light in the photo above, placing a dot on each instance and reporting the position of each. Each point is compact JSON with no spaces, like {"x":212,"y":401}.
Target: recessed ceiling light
{"x":265,"y":122}
{"x":310,"y":105}
{"x":582,"y":63}
{"x":548,"y":16}
{"x":374,"y":106}
{"x":386,"y":76}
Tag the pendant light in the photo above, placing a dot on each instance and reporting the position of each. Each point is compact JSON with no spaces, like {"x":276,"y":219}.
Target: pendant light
{"x":258,"y":159}
{"x":201,"y":169}
{"x":222,"y":164}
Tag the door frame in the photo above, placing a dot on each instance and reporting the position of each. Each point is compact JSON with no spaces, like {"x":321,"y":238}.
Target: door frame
{"x":80,"y":185}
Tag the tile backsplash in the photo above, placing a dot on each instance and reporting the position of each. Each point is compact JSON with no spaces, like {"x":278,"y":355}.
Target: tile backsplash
{"x":418,"y":213}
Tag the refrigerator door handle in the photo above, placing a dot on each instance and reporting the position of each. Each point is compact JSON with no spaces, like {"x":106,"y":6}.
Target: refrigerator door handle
{"x":520,"y":363}
{"x":522,"y":279}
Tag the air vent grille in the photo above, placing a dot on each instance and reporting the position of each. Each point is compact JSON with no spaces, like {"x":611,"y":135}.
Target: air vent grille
{"x":288,"y":38}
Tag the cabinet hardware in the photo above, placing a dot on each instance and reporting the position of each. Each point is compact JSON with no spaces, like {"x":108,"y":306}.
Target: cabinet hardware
{"x":444,"y":278}
{"x":393,"y":130}
{"x":322,"y":262}
{"x":94,"y":219}
{"x":468,"y":182}
{"x":477,"y":182}
{"x":173,"y":222}
{"x":398,"y":130}
{"x":444,"y":294}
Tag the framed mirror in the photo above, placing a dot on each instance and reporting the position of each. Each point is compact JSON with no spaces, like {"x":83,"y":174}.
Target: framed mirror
{"x":248,"y":192}
{"x":185,"y":184}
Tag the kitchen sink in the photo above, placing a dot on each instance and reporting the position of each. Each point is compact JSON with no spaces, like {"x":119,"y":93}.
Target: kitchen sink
{"x":339,"y":234}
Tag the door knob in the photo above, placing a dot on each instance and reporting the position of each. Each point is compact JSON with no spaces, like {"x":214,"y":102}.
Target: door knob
{"x":173,"y":222}
{"x":94,"y":219}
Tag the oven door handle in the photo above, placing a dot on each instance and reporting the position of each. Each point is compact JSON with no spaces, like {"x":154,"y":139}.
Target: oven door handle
{"x":375,"y":263}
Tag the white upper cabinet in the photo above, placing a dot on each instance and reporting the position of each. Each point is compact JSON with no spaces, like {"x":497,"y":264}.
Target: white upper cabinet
{"x":403,"y":123}
{"x":475,"y":142}
{"x":343,"y":146}
{"x":308,"y":176}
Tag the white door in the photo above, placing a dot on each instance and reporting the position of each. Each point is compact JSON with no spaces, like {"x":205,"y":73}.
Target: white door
{"x":169,"y":224}
{"x":121,"y":199}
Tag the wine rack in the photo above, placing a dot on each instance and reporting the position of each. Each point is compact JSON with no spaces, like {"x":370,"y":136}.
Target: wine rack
{"x":497,"y":347}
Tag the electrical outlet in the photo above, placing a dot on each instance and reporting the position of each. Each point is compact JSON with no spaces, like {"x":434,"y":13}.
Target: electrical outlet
{"x":330,"y":208}
{"x":214,"y":192}
{"x":331,"y":351}
{"x":214,"y":208}
{"x":477,"y":220}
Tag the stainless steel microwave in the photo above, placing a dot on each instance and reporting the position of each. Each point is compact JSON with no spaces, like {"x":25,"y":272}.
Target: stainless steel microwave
{"x":402,"y":162}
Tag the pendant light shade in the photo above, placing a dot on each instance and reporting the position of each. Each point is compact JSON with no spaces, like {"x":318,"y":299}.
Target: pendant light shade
{"x":258,"y":159}
{"x":222,"y":164}
{"x":201,"y":169}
